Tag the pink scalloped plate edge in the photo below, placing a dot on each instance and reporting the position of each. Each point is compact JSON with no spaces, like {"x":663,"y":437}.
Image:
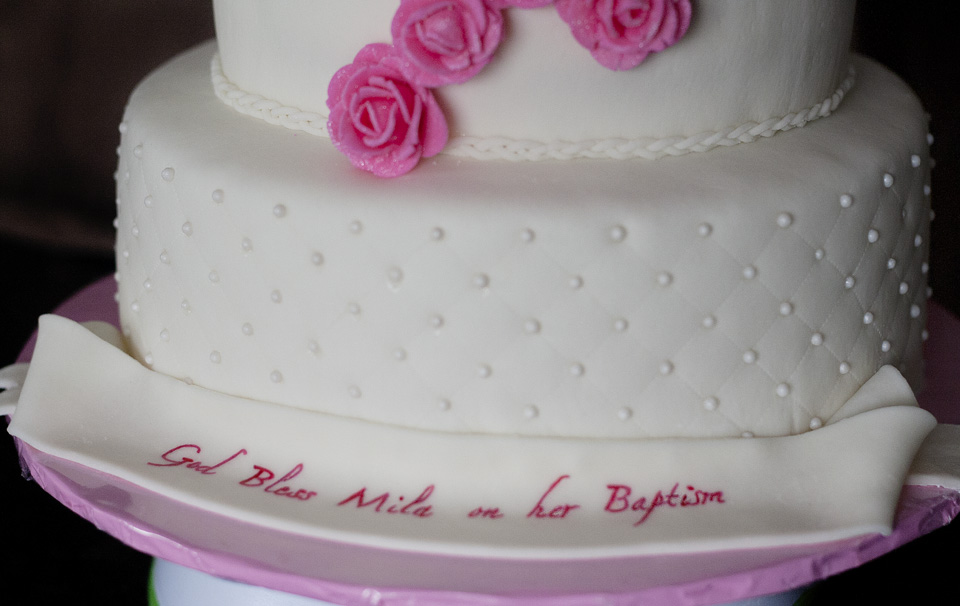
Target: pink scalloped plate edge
{"x":348,"y":574}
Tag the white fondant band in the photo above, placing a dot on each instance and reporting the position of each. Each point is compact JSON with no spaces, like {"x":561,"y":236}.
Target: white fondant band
{"x":379,"y":485}
{"x":505,"y":148}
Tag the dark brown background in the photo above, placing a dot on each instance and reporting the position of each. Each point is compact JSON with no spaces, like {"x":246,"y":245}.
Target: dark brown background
{"x":66,"y":68}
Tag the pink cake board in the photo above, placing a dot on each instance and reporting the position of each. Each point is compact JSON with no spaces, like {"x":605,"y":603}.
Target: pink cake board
{"x":350,"y":574}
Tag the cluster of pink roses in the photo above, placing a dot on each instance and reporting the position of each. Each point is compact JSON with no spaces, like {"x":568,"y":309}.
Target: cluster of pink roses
{"x":383,"y":115}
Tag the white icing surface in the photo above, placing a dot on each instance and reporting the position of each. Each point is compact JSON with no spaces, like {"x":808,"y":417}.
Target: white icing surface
{"x":534,"y":299}
{"x":472,"y":494}
{"x":741,"y":61}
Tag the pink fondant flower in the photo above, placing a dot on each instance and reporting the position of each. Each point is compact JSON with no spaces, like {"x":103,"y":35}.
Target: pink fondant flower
{"x":445,"y":41}
{"x":380,"y":120}
{"x":621,"y":33}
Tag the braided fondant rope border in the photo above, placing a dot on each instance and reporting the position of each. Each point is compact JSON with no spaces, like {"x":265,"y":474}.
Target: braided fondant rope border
{"x":503,"y":148}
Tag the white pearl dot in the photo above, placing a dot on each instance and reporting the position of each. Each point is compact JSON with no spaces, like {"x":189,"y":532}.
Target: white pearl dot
{"x":576,"y":282}
{"x":816,"y":423}
{"x":316,"y":258}
{"x":914,"y":311}
{"x":872,"y":236}
{"x":187,"y":228}
{"x":436,"y":234}
{"x":167,"y":174}
{"x":784,"y":220}
{"x":484,"y":371}
{"x":246,"y":245}
{"x":618,"y":233}
{"x":924,"y":267}
{"x":710,"y":403}
{"x":165,"y":257}
{"x":399,"y":354}
{"x":844,"y":368}
{"x":279,"y":211}
{"x":356,"y":227}
{"x":577,"y":369}
{"x":353,"y":308}
{"x":918,"y":240}
{"x":531,"y":412}
{"x":849,"y":282}
{"x":147,"y":284}
{"x":621,"y":325}
{"x":148,"y":201}
{"x":885,"y":346}
{"x":217,"y":196}
{"x":786,"y":308}
{"x":749,"y":356}
{"x":137,"y":151}
{"x":846,"y":201}
{"x":868,"y":318}
{"x":816,"y":339}
{"x":135,"y":231}
{"x":704,"y":230}
{"x":891,"y":263}
{"x":164,"y":335}
{"x":664,"y":278}
{"x":134,"y":306}
{"x":929,"y":138}
{"x":122,"y":127}
{"x":783,"y":390}
{"x":528,"y":235}
{"x":746,"y":434}
{"x":915,"y":161}
{"x":436,"y":321}
{"x":481,"y":280}
{"x":887,"y":180}
{"x":354,"y":392}
{"x":247,"y":329}
{"x":749,"y":272}
{"x":531,"y":327}
{"x":624,"y":414}
{"x":927,"y":190}
{"x":709,"y":322}
{"x":185,"y":306}
{"x":395,"y":275}
{"x":148,"y":359}
{"x":925,"y":334}
{"x":904,"y":288}
{"x":666,"y":367}
{"x":276,"y":296}
{"x":819,"y":254}
{"x":214,"y":276}
{"x":313,"y":347}
{"x":445,"y":404}
{"x":215,"y":357}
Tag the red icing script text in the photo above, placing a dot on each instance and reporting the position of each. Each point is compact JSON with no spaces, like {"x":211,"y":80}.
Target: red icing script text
{"x":190,"y":463}
{"x":386,"y":503}
{"x":280,"y":487}
{"x":620,"y":500}
{"x":549,"y":508}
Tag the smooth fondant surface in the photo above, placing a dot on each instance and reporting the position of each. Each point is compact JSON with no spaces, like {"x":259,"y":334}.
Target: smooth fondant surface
{"x":542,"y":85}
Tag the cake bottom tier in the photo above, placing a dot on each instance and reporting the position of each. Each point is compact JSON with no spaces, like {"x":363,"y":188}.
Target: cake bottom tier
{"x":746,"y":291}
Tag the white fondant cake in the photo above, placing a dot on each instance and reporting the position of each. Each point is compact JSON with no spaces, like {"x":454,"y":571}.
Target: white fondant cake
{"x":515,"y":317}
{"x":744,"y":291}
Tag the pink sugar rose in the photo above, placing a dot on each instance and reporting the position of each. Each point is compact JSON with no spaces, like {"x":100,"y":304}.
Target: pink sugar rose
{"x":445,"y":41}
{"x":381,"y":121}
{"x":621,"y":33}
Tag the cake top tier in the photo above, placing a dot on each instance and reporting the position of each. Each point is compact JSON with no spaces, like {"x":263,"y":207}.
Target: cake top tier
{"x":739,"y":62}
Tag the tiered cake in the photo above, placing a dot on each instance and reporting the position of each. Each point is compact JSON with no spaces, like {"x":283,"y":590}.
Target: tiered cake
{"x":505,"y":263}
